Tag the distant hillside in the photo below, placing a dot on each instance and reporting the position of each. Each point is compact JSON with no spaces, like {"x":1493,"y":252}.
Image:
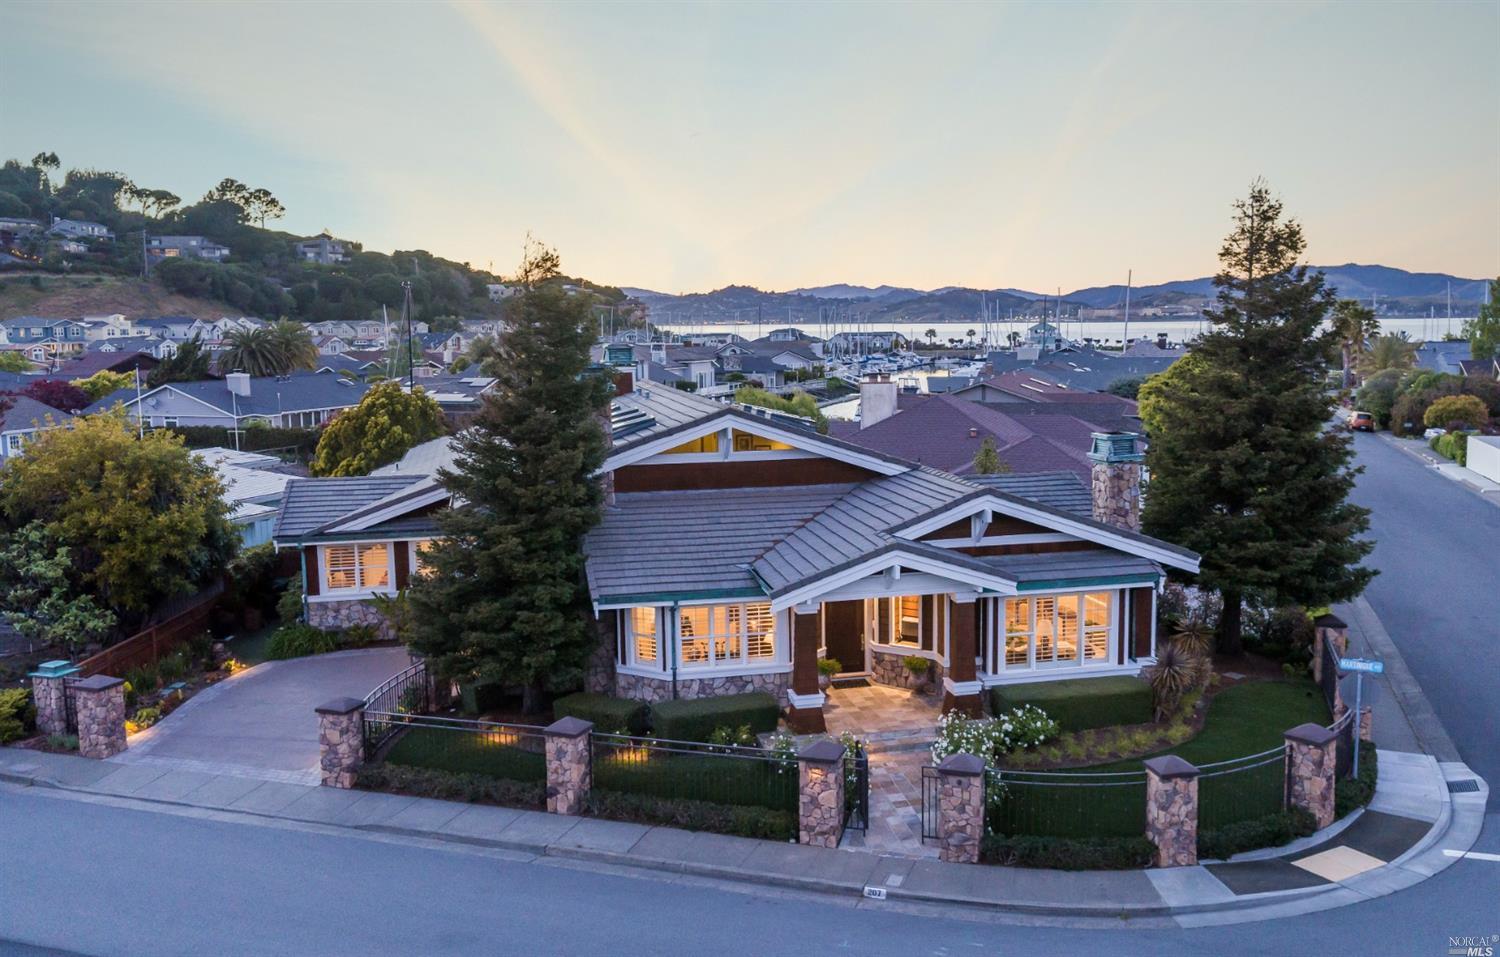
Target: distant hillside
{"x":1397,"y":292}
{"x":58,"y":296}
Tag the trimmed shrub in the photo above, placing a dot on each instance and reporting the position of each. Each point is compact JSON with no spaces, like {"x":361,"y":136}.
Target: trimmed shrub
{"x":298,"y":640}
{"x":696,"y":719}
{"x":358,"y":636}
{"x":1451,"y":445}
{"x":1081,"y":703}
{"x":480,"y":697}
{"x":451,"y":786}
{"x":1273,"y":830}
{"x":1068,"y":854}
{"x":614,"y":715}
{"x":303,"y":441}
{"x":17,"y":716}
{"x":1466,"y":410}
{"x":741,"y":820}
{"x":1351,"y":793}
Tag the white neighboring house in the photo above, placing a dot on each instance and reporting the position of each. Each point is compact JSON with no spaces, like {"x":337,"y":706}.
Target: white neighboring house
{"x":185,"y":247}
{"x":302,"y":400}
{"x":252,"y":488}
{"x":152,"y":346}
{"x":22,"y":421}
{"x":79,"y":229}
{"x":500,"y":292}
{"x":1484,"y":456}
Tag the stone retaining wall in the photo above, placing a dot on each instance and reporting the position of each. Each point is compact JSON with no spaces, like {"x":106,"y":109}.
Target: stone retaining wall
{"x":338,"y":615}
{"x":660,"y":689}
{"x":890,"y":669}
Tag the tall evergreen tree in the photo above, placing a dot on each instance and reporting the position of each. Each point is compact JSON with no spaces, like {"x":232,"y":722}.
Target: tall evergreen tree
{"x":1244,"y":467}
{"x":502,"y":595}
{"x":190,"y":363}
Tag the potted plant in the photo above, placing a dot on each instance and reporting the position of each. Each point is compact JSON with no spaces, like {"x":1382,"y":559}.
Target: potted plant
{"x":921,"y":672}
{"x":827,"y":668}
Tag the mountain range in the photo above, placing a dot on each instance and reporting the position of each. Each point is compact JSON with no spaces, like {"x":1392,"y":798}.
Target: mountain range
{"x":1395,"y":292}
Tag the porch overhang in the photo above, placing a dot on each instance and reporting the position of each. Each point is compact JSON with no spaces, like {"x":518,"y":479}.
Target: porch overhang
{"x":888,"y":572}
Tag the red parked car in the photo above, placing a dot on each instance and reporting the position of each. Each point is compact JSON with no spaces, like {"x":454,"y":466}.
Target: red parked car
{"x":1361,"y":422}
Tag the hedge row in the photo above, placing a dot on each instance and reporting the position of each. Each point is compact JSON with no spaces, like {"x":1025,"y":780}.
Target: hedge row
{"x":683,"y":720}
{"x":1081,"y":703}
{"x":738,"y":819}
{"x":1273,"y":830}
{"x":255,"y":439}
{"x":1068,"y":854}
{"x":451,"y":786}
{"x":1451,"y":445}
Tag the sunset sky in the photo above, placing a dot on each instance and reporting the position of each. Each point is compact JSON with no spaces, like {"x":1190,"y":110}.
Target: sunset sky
{"x":684,"y":147}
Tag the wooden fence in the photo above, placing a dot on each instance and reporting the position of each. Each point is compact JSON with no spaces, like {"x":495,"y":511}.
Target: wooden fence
{"x":156,"y":641}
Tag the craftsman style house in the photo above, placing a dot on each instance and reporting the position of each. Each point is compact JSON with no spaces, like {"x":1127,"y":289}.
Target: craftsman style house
{"x":738,"y":548}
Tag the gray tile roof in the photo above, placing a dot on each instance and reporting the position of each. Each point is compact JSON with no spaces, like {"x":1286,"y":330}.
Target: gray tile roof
{"x":269,"y":396}
{"x":1063,"y":490}
{"x":309,"y":504}
{"x":666,"y":407}
{"x":654,"y":543}
{"x":1041,"y":570}
{"x":25,"y":413}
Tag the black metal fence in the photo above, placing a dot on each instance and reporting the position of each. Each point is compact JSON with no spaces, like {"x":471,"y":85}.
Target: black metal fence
{"x":1065,"y":803}
{"x":404,"y":693}
{"x":1344,"y":743}
{"x":930,"y":784}
{"x":689,"y":770}
{"x":1242,"y":789}
{"x":70,"y":703}
{"x":516,"y":752}
{"x":856,"y":790}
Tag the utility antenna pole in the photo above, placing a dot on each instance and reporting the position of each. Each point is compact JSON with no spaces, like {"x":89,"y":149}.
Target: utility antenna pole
{"x":1450,"y":309}
{"x":411,"y":362}
{"x":1125,"y":340}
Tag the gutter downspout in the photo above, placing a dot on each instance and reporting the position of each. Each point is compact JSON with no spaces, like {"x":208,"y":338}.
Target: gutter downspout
{"x":302,"y":561}
{"x":673,"y":645}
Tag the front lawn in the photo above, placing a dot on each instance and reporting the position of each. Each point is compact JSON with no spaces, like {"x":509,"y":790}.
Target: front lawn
{"x":496,"y":755}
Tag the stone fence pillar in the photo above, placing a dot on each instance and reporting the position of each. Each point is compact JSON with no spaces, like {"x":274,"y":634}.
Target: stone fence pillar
{"x":960,"y":808}
{"x":820,"y":788}
{"x":1172,"y":810}
{"x":1328,"y":630}
{"x":100,"y":702}
{"x":1310,"y":768}
{"x":341,"y":741}
{"x":569,"y":765}
{"x":50,"y":697}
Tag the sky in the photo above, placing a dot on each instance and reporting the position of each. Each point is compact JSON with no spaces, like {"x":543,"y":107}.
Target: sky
{"x":683,"y":147}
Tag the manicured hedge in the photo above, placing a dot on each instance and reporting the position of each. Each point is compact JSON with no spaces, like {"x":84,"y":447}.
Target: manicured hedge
{"x":607,"y":713}
{"x":1078,"y":704}
{"x":696,"y":719}
{"x":741,"y":820}
{"x":1068,"y":854}
{"x":1451,"y":445}
{"x":450,"y":786}
{"x":1273,"y":830}
{"x":303,"y":441}
{"x":1351,"y":793}
{"x":444,"y":749}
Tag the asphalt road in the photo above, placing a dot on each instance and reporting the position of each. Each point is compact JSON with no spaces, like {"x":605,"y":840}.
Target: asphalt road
{"x":81,"y":876}
{"x":1438,"y":591}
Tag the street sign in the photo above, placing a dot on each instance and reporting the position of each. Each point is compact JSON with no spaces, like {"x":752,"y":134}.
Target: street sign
{"x":1368,"y":666}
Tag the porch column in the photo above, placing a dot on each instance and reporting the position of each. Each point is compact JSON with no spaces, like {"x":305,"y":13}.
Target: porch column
{"x":805,"y":701}
{"x":961,"y":688}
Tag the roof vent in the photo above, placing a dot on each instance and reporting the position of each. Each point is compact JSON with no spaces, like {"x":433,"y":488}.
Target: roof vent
{"x":973,"y":432}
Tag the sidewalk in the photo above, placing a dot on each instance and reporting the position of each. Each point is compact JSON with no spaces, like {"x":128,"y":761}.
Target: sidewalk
{"x":1418,"y":449}
{"x":1397,"y":842}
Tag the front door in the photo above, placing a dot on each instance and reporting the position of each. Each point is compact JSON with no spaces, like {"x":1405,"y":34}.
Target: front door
{"x":844,"y":633}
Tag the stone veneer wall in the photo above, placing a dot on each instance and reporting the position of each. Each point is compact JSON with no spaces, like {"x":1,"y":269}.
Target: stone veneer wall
{"x":338,"y":615}
{"x":1116,"y":489}
{"x":888,"y":668}
{"x":51,"y":708}
{"x":960,"y":808}
{"x":1172,"y":810}
{"x":660,"y":689}
{"x":820,"y":803}
{"x":100,"y":701}
{"x":1310,"y":771}
{"x":599,"y":670}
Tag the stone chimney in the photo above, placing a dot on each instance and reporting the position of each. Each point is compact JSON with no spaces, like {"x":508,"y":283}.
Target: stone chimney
{"x":1117,"y":479}
{"x":238,"y":382}
{"x":877,"y":399}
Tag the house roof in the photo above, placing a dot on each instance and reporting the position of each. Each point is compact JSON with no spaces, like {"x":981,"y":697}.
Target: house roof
{"x":269,"y":395}
{"x":1063,"y":489}
{"x":89,"y":363}
{"x":1055,"y":569}
{"x":309,"y":504}
{"x":25,"y":413}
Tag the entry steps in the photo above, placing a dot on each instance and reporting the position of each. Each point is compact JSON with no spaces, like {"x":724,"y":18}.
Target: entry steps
{"x":907,"y":739}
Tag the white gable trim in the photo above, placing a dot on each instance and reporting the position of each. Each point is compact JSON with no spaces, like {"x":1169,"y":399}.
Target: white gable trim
{"x":796,"y":438}
{"x":990,"y":583}
{"x":418,"y":495}
{"x":140,"y":403}
{"x":1087,"y":531}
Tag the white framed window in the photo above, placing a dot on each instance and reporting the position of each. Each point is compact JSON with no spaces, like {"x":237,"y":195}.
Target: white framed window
{"x":643,"y":639}
{"x":360,"y":567}
{"x":719,"y":636}
{"x":1049,"y":631}
{"x":908,"y":621}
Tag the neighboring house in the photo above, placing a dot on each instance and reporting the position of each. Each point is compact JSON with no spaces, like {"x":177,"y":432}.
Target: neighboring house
{"x":22,"y":421}
{"x":124,"y":360}
{"x":324,"y":250}
{"x":185,"y":247}
{"x":80,"y":229}
{"x":762,"y":369}
{"x":53,"y":337}
{"x":696,"y":364}
{"x":1483,"y":367}
{"x":177,"y":328}
{"x":301,"y":400}
{"x":499,"y":292}
{"x":864,"y":343}
{"x":96,"y":328}
{"x":151,"y":345}
{"x":1444,"y":356}
{"x":253,"y":488}
{"x":735,"y":552}
{"x":330,"y":345}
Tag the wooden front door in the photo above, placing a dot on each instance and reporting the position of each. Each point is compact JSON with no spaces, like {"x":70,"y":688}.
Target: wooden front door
{"x":844,"y":633}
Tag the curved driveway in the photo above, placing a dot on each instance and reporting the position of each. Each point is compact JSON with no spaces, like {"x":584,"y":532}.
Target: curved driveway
{"x":261,"y":723}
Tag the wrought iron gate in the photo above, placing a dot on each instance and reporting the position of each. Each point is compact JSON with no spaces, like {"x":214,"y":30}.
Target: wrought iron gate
{"x":929,"y":803}
{"x":857,"y":790}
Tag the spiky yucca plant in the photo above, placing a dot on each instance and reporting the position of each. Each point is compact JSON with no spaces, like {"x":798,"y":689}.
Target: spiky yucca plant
{"x":1174,"y":674}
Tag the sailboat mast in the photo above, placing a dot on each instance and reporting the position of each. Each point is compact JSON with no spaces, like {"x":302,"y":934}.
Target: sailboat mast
{"x":1125,"y":337}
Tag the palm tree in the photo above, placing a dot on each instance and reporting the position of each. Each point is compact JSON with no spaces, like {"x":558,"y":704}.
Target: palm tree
{"x":1354,"y":325}
{"x":931,"y":336}
{"x":295,"y":341}
{"x":971,"y":334}
{"x":1387,"y":352}
{"x":255,"y":351}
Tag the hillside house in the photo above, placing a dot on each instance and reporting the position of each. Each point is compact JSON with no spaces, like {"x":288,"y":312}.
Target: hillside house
{"x":185,"y":247}
{"x":324,"y":250}
{"x":298,"y":401}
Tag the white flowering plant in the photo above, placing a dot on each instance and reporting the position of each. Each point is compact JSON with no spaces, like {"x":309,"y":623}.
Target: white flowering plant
{"x":989,"y":738}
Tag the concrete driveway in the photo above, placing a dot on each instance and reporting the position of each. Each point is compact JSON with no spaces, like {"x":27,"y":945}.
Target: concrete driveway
{"x":261,"y":723}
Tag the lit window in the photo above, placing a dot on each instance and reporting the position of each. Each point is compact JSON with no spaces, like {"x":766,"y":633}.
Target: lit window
{"x":725,"y":635}
{"x":342,"y":566}
{"x":708,"y":443}
{"x":374,"y":566}
{"x":643,"y":633}
{"x":909,"y":620}
{"x":749,"y":442}
{"x":760,"y":631}
{"x":1017,"y":630}
{"x":357,"y":566}
{"x":1067,"y":628}
{"x":1046,"y":629}
{"x":1057,"y":630}
{"x":419,"y":554}
{"x":1096,"y":625}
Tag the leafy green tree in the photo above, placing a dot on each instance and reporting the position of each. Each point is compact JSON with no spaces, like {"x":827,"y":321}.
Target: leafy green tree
{"x":798,"y":403}
{"x":501,"y":597}
{"x":256,"y":351}
{"x":189,"y":363}
{"x":383,"y":427}
{"x":294,"y":341}
{"x":1354,"y":325}
{"x":1244,"y":470}
{"x":1378,"y":395}
{"x":1388,"y":352}
{"x":38,"y":595}
{"x":1128,"y":387}
{"x":12,"y":361}
{"x":987,"y":460}
{"x":1465,"y":411}
{"x":1483,"y":331}
{"x":142,"y":519}
{"x":260,"y":206}
{"x":103,"y":382}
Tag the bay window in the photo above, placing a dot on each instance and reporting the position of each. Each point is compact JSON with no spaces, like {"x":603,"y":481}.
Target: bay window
{"x":1050,"y":631}
{"x":718,"y":636}
{"x":643,"y":644}
{"x":357,"y":567}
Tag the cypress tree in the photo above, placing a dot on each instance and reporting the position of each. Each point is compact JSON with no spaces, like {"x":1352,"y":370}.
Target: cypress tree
{"x":1244,"y":466}
{"x":501,"y":597}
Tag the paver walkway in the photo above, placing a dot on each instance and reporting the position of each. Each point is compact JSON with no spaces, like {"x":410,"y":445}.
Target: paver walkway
{"x":898,"y":726}
{"x":261,"y":723}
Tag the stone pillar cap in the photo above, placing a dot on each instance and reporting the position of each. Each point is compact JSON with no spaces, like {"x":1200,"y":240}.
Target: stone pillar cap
{"x":97,"y":683}
{"x":1329,"y":620}
{"x":342,"y":706}
{"x":1310,"y":734}
{"x":967,"y":765}
{"x":569,"y":727}
{"x":824,"y":751}
{"x":1170,"y":766}
{"x":58,"y":668}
